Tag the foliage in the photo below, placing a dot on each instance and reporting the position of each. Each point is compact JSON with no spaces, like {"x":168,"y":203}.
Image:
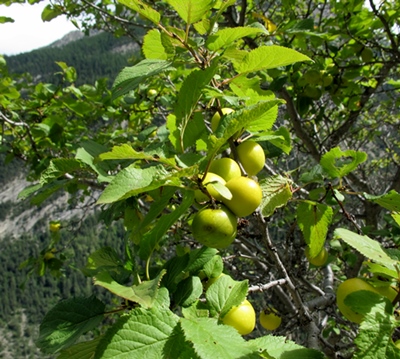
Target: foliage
{"x":315,"y":84}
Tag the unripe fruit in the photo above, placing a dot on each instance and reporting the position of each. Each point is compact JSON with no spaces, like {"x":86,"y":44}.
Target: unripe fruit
{"x":225,"y":167}
{"x":214,"y":228}
{"x":55,"y":226}
{"x":246,"y":196}
{"x":347,"y":287}
{"x":152,"y":93}
{"x":242,"y":318}
{"x":318,"y":260}
{"x":208,"y":183}
{"x":269,"y":319}
{"x":251,"y":156}
{"x":217,"y":117}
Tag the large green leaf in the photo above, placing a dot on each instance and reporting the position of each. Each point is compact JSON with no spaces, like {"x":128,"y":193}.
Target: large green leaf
{"x":338,"y":163}
{"x":143,"y":334}
{"x":67,"y":321}
{"x":390,"y":200}
{"x":191,"y":11}
{"x":153,"y":47}
{"x":226,"y":293}
{"x":274,"y":347}
{"x":367,"y":247}
{"x":132,"y":181}
{"x":268,"y":57}
{"x":143,"y":9}
{"x":131,"y":77}
{"x":224,"y":37}
{"x":144,"y":293}
{"x":83,"y":350}
{"x":375,"y":333}
{"x":313,"y":220}
{"x":211,"y":340}
{"x":276,"y":193}
{"x":188,"y":291}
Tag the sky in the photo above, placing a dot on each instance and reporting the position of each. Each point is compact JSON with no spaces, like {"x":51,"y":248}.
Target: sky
{"x":29,"y":32}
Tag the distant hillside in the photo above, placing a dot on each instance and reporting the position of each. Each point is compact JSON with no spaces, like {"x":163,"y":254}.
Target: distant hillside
{"x":97,"y":56}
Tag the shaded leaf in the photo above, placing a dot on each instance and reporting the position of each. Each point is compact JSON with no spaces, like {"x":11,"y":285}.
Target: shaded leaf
{"x":390,"y":200}
{"x":67,"y":321}
{"x":144,"y":293}
{"x":131,"y":77}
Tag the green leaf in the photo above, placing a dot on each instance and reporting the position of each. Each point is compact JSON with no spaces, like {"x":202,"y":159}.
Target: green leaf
{"x":198,"y":258}
{"x":189,"y":290}
{"x":274,"y":347}
{"x":144,"y":293}
{"x":49,"y":13}
{"x":106,"y":259}
{"x":131,"y":77}
{"x":151,"y":239}
{"x":269,"y":57}
{"x":236,"y":121}
{"x":396,"y":217}
{"x":47,"y":190}
{"x":126,"y":152}
{"x":152,"y":46}
{"x":59,"y":167}
{"x":191,"y":11}
{"x":223,"y":38}
{"x":381,"y":270}
{"x":211,"y":340}
{"x":156,"y":208}
{"x":276,"y":193}
{"x":390,"y":200}
{"x":313,"y":220}
{"x":214,"y":267}
{"x":143,"y":334}
{"x":132,"y":181}
{"x":88,"y":153}
{"x":83,"y":350}
{"x":143,"y":9}
{"x":187,"y":102}
{"x":4,"y":19}
{"x":338,"y":163}
{"x":375,"y":333}
{"x":226,"y":293}
{"x":67,"y":321}
{"x":195,"y":132}
{"x":27,"y":191}
{"x":367,"y":247}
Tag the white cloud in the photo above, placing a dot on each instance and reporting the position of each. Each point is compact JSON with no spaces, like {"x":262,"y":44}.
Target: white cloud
{"x":29,"y":32}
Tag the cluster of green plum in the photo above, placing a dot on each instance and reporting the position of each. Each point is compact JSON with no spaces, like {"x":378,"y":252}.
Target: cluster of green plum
{"x":227,"y":191}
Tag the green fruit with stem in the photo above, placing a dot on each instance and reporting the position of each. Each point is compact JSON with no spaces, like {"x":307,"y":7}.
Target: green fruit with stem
{"x":209,"y":183}
{"x":241,"y":317}
{"x":246,"y":196}
{"x":252,"y":157}
{"x":217,"y":117}
{"x":214,"y":227}
{"x":225,"y":167}
{"x":320,"y":259}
